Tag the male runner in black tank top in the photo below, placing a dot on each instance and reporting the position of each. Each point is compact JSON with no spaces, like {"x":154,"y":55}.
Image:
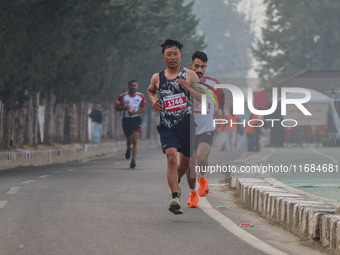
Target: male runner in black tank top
{"x":176,"y":86}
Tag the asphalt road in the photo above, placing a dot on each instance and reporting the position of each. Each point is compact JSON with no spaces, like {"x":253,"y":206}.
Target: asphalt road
{"x":104,"y":207}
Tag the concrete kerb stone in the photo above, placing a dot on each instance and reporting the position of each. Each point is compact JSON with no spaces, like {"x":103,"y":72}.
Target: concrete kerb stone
{"x":77,"y":152}
{"x":256,"y":200}
{"x":233,"y":182}
{"x":337,"y":237}
{"x":268,"y":199}
{"x":330,"y":232}
{"x":313,"y":222}
{"x":325,"y":232}
{"x":310,"y":219}
{"x":281,"y":206}
{"x":243,"y":186}
{"x":247,"y":193}
{"x":309,"y":224}
{"x":264,"y":200}
{"x":241,"y":181}
{"x":294,"y":207}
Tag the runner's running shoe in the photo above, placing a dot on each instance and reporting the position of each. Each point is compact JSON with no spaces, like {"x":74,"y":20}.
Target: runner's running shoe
{"x":203,"y":188}
{"x":193,"y":200}
{"x":175,"y":206}
{"x":133,"y":163}
{"x":128,"y":153}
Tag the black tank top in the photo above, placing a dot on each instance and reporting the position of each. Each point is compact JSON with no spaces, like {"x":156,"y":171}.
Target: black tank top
{"x":172,"y":98}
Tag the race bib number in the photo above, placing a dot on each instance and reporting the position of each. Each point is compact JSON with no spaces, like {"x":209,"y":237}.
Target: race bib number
{"x":175,"y":102}
{"x":133,"y":108}
{"x":198,"y":107}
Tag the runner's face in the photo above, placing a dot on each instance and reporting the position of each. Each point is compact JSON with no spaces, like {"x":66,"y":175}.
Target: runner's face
{"x":133,"y":87}
{"x":199,"y":67}
{"x":172,"y":57}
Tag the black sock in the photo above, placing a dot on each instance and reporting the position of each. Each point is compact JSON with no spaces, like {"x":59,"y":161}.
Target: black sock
{"x":179,"y":180}
{"x":175,"y":194}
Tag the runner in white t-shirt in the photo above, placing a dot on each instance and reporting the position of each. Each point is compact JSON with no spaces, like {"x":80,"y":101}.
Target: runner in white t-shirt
{"x":204,"y":130}
{"x":132,"y":104}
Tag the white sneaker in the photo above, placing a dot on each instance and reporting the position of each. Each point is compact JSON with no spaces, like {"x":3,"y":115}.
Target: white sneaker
{"x":175,"y":206}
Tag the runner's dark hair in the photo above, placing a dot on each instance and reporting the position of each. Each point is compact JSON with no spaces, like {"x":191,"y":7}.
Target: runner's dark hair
{"x":131,"y":81}
{"x":200,"y":55}
{"x":168,"y":43}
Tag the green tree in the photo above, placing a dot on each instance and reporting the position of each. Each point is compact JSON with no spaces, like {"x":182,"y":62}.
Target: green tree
{"x":298,"y":35}
{"x":73,"y":52}
{"x":228,"y":37}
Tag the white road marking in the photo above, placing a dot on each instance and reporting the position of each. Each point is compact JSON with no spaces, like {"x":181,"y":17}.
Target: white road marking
{"x":13,"y":190}
{"x":324,"y":155}
{"x":2,"y":204}
{"x":72,"y":169}
{"x":260,"y":158}
{"x":43,"y":176}
{"x":28,"y":181}
{"x":229,"y":225}
{"x":57,"y":172}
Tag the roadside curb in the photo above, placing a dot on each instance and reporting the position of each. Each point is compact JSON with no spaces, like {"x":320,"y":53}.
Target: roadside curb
{"x":309,"y":218}
{"x":77,"y":152}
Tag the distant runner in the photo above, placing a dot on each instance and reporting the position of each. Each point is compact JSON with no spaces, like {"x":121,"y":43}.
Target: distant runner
{"x":204,"y":131}
{"x":175,"y":85}
{"x":132,"y":104}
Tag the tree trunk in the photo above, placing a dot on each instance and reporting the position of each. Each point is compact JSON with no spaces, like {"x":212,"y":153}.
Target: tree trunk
{"x":67,"y":138}
{"x":105,"y":123}
{"x":86,"y":122}
{"x":82,"y":122}
{"x":48,"y":124}
{"x":7,"y":129}
{"x":72,"y":119}
{"x":19,"y":125}
{"x":118,"y":133}
{"x":79,"y":121}
{"x":28,"y":136}
{"x":109,"y":132}
{"x":110,"y":125}
{"x":1,"y":119}
{"x":59,"y":120}
{"x":35,"y":124}
{"x":115,"y":125}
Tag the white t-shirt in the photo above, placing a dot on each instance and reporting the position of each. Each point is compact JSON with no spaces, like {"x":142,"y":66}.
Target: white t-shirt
{"x":205,"y":123}
{"x":135,"y":103}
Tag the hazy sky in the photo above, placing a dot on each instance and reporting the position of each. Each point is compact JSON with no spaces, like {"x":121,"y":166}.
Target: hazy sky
{"x":254,"y":10}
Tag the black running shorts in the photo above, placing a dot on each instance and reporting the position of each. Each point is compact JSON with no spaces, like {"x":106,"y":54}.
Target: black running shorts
{"x":207,"y":137}
{"x":132,"y":124}
{"x":182,"y":137}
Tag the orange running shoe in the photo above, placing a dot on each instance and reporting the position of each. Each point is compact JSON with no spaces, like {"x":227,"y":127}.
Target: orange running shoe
{"x":203,"y":188}
{"x":193,"y":200}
